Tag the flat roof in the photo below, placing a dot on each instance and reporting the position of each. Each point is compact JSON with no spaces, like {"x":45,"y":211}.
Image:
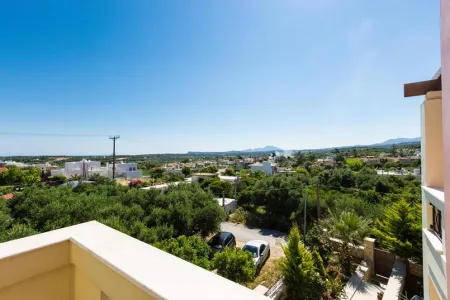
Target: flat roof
{"x":227,"y":200}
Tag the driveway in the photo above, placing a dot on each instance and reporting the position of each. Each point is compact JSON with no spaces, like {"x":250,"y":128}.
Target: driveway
{"x":244,"y":234}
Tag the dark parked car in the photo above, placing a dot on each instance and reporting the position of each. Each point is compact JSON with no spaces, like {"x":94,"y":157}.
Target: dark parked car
{"x":220,"y":241}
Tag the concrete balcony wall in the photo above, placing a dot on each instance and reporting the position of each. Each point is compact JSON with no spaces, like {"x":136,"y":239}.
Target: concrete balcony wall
{"x":44,"y":273}
{"x":91,"y":261}
{"x":93,"y":277}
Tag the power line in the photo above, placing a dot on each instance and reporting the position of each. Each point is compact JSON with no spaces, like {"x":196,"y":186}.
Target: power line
{"x":53,"y":134}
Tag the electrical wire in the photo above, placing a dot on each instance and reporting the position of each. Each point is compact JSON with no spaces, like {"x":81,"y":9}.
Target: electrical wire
{"x":54,"y":134}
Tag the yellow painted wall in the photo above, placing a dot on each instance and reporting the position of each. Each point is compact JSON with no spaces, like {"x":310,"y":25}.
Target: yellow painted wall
{"x":434,"y":141}
{"x":63,"y":271}
{"x":92,"y":274}
{"x":433,"y":292}
{"x":52,"y":285}
{"x":83,"y":288}
{"x":27,"y":265}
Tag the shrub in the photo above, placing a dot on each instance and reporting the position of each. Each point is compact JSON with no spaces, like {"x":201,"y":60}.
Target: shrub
{"x":235,"y":264}
{"x":192,"y":249}
{"x":239,"y":216}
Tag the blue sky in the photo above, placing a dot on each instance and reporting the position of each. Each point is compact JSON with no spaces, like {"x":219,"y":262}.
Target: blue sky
{"x":174,"y":76}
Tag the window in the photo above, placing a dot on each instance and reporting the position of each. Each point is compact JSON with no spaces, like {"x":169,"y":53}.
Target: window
{"x":227,"y":240}
{"x":130,"y":169}
{"x":436,"y":225}
{"x":252,"y":249}
{"x":263,"y":247}
{"x":134,"y":168}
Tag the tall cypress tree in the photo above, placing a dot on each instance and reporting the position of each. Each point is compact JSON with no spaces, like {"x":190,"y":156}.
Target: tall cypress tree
{"x":301,"y":277}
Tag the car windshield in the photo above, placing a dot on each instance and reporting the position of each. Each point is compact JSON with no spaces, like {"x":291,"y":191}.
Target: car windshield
{"x":215,"y":242}
{"x":251,"y":249}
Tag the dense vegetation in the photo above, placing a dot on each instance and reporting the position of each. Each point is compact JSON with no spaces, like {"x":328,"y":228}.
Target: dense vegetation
{"x":147,"y":215}
{"x":352,"y":191}
{"x":353,"y":201}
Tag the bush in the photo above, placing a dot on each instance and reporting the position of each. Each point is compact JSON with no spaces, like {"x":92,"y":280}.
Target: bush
{"x":354,"y":163}
{"x":17,"y":231}
{"x":239,"y":216}
{"x":192,"y":249}
{"x":209,"y":169}
{"x":135,"y":183}
{"x":235,"y":264}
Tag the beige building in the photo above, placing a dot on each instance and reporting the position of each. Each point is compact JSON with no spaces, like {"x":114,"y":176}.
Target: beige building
{"x":435,"y":115}
{"x":91,"y":261}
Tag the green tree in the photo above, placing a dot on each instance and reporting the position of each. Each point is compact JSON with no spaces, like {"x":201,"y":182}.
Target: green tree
{"x":299,"y":158}
{"x":209,"y":169}
{"x":302,"y":170}
{"x":220,"y":188}
{"x":350,"y":229}
{"x":400,"y":229}
{"x":235,"y":264}
{"x":31,"y":176}
{"x":58,"y":178}
{"x":355,"y":164}
{"x":229,"y":172}
{"x":17,"y":231}
{"x":301,"y":277}
{"x":192,"y":249}
{"x":186,"y":171}
{"x":99,"y":178}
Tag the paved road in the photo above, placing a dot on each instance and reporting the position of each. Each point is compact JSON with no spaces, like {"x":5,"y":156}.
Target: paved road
{"x":244,"y":234}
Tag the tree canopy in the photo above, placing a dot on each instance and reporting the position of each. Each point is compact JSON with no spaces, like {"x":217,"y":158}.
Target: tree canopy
{"x":235,"y":264}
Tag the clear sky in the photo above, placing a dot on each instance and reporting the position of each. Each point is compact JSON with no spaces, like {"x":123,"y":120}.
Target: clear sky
{"x":173,"y":76}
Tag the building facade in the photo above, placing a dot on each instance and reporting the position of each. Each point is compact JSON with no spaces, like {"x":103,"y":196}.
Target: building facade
{"x":435,"y":144}
{"x":86,"y":168}
{"x":266,"y":167}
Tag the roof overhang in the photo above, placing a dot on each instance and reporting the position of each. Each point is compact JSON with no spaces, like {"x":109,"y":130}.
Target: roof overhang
{"x":423,"y":87}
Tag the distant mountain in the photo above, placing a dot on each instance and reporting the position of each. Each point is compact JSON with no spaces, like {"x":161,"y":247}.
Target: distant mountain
{"x":398,"y":141}
{"x":264,"y":149}
{"x":268,"y":149}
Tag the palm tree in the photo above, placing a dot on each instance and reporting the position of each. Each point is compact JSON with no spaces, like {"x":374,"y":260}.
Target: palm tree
{"x":350,"y":229}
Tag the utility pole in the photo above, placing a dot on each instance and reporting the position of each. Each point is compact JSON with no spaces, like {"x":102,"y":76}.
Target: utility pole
{"x":223,"y":202}
{"x":236,"y":185}
{"x":318,"y":200}
{"x":114,"y":138}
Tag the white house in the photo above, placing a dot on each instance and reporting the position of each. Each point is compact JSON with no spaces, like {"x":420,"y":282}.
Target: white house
{"x":266,"y":167}
{"x":86,"y":168}
{"x":127,"y":170}
{"x":44,"y":167}
{"x":228,"y":204}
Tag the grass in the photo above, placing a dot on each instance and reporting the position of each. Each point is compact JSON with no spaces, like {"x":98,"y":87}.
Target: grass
{"x":269,"y":274}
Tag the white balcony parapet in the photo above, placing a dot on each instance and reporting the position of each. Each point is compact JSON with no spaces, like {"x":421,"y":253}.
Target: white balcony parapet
{"x":159,"y":274}
{"x":435,"y":196}
{"x":435,"y":242}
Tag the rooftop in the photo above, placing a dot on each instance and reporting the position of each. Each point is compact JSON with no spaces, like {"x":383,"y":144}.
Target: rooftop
{"x":93,"y":261}
{"x":8,"y":196}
